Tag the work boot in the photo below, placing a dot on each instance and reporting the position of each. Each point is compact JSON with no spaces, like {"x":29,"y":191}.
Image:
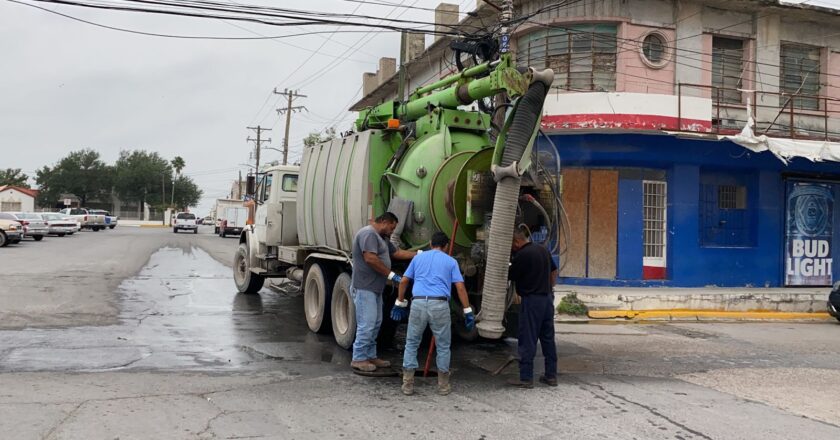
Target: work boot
{"x":380,"y":363}
{"x":408,"y":382}
{"x":363,"y":366}
{"x":443,"y":384}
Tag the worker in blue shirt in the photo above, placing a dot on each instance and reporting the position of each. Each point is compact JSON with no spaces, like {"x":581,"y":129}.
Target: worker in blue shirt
{"x":434,"y":272}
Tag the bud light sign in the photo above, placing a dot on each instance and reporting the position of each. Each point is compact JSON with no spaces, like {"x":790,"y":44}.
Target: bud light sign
{"x":808,"y":236}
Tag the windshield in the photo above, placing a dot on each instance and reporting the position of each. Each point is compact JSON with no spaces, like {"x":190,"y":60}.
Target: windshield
{"x":186,"y":216}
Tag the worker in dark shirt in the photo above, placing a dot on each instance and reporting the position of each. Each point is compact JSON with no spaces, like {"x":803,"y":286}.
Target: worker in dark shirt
{"x":534,"y":272}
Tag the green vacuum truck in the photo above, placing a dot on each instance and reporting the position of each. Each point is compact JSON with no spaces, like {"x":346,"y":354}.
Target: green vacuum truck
{"x":435,"y":162}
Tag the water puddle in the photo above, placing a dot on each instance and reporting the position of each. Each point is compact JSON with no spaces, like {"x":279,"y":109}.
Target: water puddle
{"x":181,"y":311}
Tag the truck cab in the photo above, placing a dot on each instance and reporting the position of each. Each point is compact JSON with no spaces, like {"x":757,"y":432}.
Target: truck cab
{"x":275,"y":218}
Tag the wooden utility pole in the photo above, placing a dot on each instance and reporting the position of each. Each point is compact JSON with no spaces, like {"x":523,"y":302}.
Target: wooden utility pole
{"x":290,"y":97}
{"x":258,"y":144}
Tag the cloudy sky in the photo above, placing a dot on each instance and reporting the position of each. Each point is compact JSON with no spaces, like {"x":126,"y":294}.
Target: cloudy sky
{"x":68,"y":85}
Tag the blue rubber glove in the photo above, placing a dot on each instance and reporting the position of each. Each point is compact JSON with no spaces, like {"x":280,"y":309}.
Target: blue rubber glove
{"x":469,"y":318}
{"x":394,"y":278}
{"x":399,"y":312}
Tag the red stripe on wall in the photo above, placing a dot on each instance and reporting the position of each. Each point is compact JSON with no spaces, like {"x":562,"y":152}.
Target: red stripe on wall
{"x":653,"y":273}
{"x":625,"y":121}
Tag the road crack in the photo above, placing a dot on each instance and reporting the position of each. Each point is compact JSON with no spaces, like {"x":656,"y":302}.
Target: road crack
{"x":647,"y":408}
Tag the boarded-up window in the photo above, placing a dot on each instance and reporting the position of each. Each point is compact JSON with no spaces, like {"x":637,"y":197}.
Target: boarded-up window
{"x":590,"y":198}
{"x":583,"y":57}
{"x":727,"y":69}
{"x":801,"y":75}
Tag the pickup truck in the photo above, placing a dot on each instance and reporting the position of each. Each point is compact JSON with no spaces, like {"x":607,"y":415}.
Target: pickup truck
{"x":88,"y":219}
{"x":185,"y":221}
{"x":110,"y":220}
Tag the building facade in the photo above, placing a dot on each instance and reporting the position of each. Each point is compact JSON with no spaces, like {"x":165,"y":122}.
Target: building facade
{"x":17,"y":199}
{"x":699,"y":139}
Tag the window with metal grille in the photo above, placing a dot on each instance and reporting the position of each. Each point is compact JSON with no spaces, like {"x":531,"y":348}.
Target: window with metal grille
{"x":583,"y":57}
{"x":801,"y":75}
{"x":654,"y":196}
{"x":10,"y":206}
{"x":725,"y":217}
{"x":727,"y":69}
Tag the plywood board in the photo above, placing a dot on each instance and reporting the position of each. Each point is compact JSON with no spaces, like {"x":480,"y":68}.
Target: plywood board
{"x":575,"y":197}
{"x":603,"y":223}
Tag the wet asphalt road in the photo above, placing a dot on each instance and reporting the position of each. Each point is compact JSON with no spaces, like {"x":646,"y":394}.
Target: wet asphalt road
{"x":138,"y":333}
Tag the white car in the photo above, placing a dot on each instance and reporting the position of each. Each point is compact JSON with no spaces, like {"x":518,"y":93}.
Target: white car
{"x":60,"y":224}
{"x":185,"y":221}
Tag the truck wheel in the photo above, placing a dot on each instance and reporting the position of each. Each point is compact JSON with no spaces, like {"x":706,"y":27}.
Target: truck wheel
{"x":112,"y":226}
{"x":3,"y":240}
{"x":195,"y":231}
{"x":317,"y":294}
{"x":343,"y":312}
{"x":175,"y":230}
{"x":38,"y":237}
{"x":215,"y":230}
{"x":245,"y":280}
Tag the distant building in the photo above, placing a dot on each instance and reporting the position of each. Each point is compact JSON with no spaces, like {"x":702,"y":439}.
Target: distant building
{"x":647,"y":100}
{"x":15,"y":198}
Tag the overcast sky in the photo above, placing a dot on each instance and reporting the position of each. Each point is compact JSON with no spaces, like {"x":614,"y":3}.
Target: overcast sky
{"x":67,"y":85}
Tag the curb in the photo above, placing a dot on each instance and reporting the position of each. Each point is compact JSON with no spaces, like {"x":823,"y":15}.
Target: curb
{"x":708,"y":315}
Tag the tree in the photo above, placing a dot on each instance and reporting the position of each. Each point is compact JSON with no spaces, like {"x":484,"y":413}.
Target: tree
{"x":188,"y":193}
{"x":178,"y":164}
{"x":14,"y":177}
{"x":81,"y":173}
{"x":317,"y":137}
{"x":141,"y":176}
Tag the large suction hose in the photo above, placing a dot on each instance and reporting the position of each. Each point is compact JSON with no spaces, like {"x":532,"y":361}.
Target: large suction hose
{"x":522,"y":128}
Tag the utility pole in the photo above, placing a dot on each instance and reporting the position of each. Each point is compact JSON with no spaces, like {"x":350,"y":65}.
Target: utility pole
{"x":258,"y":144}
{"x":290,"y":96}
{"x":239,"y":187}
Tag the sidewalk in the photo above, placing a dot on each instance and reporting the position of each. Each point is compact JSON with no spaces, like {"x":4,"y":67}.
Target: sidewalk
{"x":142,"y":224}
{"x":705,"y":303}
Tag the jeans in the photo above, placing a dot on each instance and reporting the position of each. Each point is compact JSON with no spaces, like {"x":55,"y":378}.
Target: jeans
{"x":436,"y":315}
{"x":536,"y":322}
{"x":368,"y":320}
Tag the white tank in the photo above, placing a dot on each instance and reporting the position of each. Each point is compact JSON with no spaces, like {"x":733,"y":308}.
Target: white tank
{"x":334,"y":198}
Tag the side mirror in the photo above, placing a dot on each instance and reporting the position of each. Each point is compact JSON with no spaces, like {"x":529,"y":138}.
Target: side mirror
{"x":251,"y":185}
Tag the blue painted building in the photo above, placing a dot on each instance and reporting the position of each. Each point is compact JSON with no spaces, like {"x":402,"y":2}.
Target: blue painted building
{"x":690,"y":212}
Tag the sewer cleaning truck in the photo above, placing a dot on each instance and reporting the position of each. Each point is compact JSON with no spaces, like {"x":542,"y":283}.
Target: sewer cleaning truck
{"x":433,"y":161}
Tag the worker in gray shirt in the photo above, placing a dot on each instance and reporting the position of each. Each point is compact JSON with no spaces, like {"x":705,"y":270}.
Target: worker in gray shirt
{"x":372,"y":254}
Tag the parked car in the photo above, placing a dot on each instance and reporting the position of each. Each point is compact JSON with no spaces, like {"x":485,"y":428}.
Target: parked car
{"x":33,"y":225}
{"x":94,"y":222}
{"x":59,"y":224}
{"x":185,"y":221}
{"x":11,"y":231}
{"x":110,"y":220}
{"x":207,"y":220}
{"x":833,"y":304}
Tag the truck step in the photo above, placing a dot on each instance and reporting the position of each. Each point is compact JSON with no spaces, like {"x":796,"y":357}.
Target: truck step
{"x":267,"y":256}
{"x":258,"y":270}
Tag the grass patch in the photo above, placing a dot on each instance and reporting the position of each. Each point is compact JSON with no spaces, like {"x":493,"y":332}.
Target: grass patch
{"x":571,"y":305}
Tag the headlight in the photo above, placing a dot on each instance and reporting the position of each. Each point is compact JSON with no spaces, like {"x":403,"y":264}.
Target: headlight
{"x":13,"y":228}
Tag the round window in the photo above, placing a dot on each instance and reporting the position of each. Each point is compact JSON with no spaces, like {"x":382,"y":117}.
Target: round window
{"x":653,"y":49}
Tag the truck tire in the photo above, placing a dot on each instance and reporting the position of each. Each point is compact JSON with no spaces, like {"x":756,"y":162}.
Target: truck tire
{"x":3,"y":240}
{"x":245,"y":280}
{"x":38,"y":237}
{"x":195,"y":231}
{"x":174,"y":230}
{"x":317,"y":295}
{"x":216,"y":230}
{"x":112,"y":226}
{"x":343,"y":312}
